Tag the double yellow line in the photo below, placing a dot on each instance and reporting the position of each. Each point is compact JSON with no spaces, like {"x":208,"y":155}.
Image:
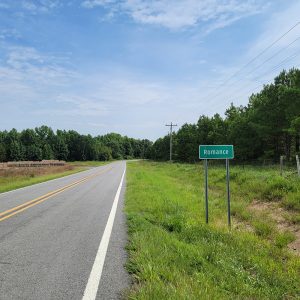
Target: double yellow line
{"x":18,"y":209}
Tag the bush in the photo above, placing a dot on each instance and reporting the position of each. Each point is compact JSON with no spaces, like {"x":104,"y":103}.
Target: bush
{"x":277,"y":188}
{"x":292,"y":202}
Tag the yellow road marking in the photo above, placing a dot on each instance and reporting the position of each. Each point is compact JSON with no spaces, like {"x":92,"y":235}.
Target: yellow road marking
{"x":17,"y":209}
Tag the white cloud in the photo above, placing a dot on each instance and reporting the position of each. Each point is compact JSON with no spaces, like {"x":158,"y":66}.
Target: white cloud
{"x":26,"y":75}
{"x":283,"y":54}
{"x":250,"y":78}
{"x":40,"y":6}
{"x":78,"y":105}
{"x":107,"y":93}
{"x":36,"y":67}
{"x":9,"y":33}
{"x":19,"y":56}
{"x":139,"y":103}
{"x":29,"y":77}
{"x":31,"y":6}
{"x":177,"y":14}
{"x":94,"y":3}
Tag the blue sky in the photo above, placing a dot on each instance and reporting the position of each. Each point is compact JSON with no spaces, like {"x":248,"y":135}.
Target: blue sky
{"x":131,"y":66}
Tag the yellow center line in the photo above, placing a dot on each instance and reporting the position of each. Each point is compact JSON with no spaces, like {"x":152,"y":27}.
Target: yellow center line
{"x":17,"y":209}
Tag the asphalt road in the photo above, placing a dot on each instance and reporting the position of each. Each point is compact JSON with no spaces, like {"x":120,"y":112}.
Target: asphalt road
{"x":51,"y":234}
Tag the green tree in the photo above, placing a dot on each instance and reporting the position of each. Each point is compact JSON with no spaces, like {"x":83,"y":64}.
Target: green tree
{"x":161,"y":148}
{"x":187,"y":143}
{"x":60,"y":148}
{"x":104,"y":153}
{"x":16,"y":151}
{"x":3,"y":156}
{"x":47,"y":152}
{"x":34,"y":153}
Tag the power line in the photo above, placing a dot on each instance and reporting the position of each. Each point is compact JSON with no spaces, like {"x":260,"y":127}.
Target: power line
{"x":262,"y":52}
{"x":287,"y":59}
{"x":265,"y":61}
{"x":257,"y":56}
{"x":252,"y":90}
{"x":261,"y":83}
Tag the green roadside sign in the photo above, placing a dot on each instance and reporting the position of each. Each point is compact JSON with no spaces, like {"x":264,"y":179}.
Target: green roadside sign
{"x":207,"y":152}
{"x":216,"y":152}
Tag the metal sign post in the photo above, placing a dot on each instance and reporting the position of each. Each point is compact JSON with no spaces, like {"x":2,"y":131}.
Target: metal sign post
{"x":206,"y":190}
{"x":216,"y":152}
{"x":228,"y":192}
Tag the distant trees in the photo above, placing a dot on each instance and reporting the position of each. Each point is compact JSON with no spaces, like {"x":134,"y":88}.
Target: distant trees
{"x":269,"y":126}
{"x":42,"y":143}
{"x":273,"y":111}
{"x":160,"y":149}
{"x":187,"y":143}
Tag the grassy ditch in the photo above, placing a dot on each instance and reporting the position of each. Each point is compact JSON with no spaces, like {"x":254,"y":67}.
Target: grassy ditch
{"x":14,"y":178}
{"x":173,"y":254}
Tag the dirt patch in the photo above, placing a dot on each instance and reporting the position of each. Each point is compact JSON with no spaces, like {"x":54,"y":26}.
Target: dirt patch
{"x":295,"y":245}
{"x":274,"y":211}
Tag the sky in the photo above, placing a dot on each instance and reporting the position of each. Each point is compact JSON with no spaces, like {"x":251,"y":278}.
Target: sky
{"x":132,"y":66}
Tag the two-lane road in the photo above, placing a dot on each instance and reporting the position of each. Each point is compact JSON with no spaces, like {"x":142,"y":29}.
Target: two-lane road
{"x":55,"y":236}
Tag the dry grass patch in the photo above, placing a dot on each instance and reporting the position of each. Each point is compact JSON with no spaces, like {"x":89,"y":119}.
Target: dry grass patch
{"x":274,"y":211}
{"x":34,"y":171}
{"x":14,"y":178}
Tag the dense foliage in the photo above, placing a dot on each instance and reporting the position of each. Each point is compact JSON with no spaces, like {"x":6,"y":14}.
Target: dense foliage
{"x":269,"y":126}
{"x":43,"y":143}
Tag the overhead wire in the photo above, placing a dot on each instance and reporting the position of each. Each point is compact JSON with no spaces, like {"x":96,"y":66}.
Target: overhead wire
{"x":270,"y":58}
{"x":287,"y":59}
{"x":257,"y":56}
{"x":262,"y":52}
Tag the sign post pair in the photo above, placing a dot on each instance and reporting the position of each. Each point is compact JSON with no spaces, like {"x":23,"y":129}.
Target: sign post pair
{"x":216,"y":152}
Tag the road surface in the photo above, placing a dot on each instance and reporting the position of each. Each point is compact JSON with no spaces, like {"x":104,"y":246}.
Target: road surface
{"x":56,"y":236}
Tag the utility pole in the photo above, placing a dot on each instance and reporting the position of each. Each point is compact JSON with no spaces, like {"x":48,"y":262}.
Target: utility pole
{"x":171,"y":133}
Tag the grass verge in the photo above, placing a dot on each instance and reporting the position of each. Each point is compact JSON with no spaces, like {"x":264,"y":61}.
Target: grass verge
{"x":15,"y":182}
{"x":12,"y":179}
{"x":173,"y":254}
{"x":89,"y":163}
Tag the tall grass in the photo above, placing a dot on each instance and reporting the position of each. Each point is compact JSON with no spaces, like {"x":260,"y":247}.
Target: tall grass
{"x":14,"y":178}
{"x":173,"y":254}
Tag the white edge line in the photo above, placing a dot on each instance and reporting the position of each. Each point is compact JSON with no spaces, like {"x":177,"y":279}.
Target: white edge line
{"x":44,"y":182}
{"x":91,"y":289}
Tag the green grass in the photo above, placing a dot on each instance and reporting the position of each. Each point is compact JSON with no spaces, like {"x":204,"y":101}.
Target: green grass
{"x":89,"y":163}
{"x":292,"y":202}
{"x":8,"y":183}
{"x":15,"y":182}
{"x":173,"y":254}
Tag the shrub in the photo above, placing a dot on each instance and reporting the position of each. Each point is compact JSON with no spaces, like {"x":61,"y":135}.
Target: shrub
{"x":277,"y":188}
{"x":292,"y":202}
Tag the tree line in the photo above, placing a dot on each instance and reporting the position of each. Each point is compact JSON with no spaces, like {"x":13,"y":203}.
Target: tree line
{"x":43,"y":143}
{"x":269,"y":126}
